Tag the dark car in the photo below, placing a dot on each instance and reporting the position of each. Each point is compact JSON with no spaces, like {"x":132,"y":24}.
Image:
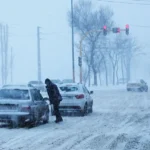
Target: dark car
{"x":22,"y":105}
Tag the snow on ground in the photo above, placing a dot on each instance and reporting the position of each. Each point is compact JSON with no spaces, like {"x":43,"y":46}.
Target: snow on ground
{"x":120,"y":121}
{"x":109,"y":87}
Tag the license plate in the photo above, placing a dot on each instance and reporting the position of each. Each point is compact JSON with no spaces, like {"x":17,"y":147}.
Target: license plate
{"x":6,"y":108}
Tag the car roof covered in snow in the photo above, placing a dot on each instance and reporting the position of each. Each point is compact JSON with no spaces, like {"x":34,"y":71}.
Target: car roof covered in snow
{"x":70,"y":84}
{"x":22,"y":87}
{"x":136,"y":81}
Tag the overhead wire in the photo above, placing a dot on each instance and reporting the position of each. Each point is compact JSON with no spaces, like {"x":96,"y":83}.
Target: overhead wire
{"x":123,"y":2}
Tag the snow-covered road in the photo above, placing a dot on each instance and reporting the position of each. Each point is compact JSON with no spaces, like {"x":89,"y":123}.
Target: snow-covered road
{"x":120,"y":121}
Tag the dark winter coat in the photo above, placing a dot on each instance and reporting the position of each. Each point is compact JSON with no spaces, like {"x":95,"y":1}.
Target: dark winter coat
{"x":53,"y":93}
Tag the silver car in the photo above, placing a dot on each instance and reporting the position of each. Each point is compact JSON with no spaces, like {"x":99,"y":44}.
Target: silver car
{"x":21,"y":105}
{"x":138,"y":85}
{"x":76,"y":98}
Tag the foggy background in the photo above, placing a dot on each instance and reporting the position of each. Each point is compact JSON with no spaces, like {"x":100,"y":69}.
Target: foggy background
{"x":23,"y":17}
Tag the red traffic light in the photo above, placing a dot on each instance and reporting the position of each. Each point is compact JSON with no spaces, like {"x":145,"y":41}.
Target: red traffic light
{"x":127,"y":29}
{"x":127,"y":26}
{"x":104,"y":27}
{"x":104,"y":30}
{"x":118,"y":30}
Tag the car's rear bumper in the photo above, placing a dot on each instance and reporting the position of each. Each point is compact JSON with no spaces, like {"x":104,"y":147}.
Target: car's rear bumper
{"x":134,"y":87}
{"x":10,"y":116}
{"x":70,"y":108}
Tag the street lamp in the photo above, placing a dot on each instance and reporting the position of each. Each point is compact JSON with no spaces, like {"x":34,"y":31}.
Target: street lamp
{"x":73,"y":66}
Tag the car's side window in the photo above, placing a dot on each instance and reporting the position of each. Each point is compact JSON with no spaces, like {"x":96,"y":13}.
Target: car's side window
{"x":36,"y":96}
{"x":87,"y":90}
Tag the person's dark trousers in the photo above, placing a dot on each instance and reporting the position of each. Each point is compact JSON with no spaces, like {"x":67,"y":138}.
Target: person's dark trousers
{"x":57,"y":113}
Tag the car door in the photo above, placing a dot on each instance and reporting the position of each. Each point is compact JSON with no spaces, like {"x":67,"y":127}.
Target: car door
{"x":87,"y":95}
{"x":39,"y":103}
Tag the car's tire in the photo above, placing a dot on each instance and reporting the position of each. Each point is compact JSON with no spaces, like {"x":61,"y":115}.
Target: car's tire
{"x":46,"y":119}
{"x":128,"y":90}
{"x":36,"y":118}
{"x":85,"y":111}
{"x":146,"y":89}
{"x":91,"y":108}
{"x":14,"y":123}
{"x":140,"y":90}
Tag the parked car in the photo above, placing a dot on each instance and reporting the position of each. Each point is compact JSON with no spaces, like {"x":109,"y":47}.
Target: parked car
{"x":38,"y":84}
{"x":67,"y":81}
{"x":56,"y":81}
{"x":21,"y":105}
{"x":76,"y":99}
{"x":139,"y":85}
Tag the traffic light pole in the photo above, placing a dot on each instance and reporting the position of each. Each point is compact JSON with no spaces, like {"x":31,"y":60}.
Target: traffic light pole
{"x":38,"y":54}
{"x":73,"y":65}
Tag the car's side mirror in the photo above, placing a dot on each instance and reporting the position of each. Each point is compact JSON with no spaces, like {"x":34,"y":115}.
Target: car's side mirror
{"x":45,"y":98}
{"x":91,"y":92}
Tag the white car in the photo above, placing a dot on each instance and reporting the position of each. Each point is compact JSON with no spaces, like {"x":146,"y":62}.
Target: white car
{"x":67,"y":81}
{"x":138,"y":85}
{"x":76,"y":98}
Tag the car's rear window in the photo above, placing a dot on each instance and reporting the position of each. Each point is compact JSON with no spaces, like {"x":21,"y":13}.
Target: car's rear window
{"x":14,"y":94}
{"x":69,"y":88}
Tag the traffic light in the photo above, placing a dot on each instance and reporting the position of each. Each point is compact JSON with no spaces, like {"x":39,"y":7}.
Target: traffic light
{"x":127,"y":29}
{"x":104,"y":30}
{"x":116,"y":30}
{"x":79,"y":61}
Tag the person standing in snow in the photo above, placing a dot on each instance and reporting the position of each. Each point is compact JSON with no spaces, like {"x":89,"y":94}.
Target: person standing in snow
{"x":54,"y":98}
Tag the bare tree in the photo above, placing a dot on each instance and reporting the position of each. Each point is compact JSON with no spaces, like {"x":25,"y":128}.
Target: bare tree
{"x":131,"y":49}
{"x":124,"y":49}
{"x":88,"y":20}
{"x":4,"y":52}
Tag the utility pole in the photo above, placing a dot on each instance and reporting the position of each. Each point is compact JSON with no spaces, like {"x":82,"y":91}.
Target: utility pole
{"x":38,"y":54}
{"x":11,"y":65}
{"x":2,"y":53}
{"x":6,"y":52}
{"x":73,"y":66}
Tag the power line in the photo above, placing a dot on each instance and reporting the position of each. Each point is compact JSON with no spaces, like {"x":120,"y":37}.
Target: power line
{"x":141,"y":26}
{"x":118,"y":2}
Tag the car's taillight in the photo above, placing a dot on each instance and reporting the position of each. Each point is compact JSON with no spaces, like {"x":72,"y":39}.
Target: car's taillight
{"x":80,"y":96}
{"x":26,"y":108}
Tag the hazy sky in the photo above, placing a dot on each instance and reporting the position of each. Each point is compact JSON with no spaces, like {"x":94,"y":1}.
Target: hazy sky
{"x":23,"y":17}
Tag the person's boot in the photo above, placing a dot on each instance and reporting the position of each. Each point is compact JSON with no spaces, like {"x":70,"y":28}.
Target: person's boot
{"x":58,"y":120}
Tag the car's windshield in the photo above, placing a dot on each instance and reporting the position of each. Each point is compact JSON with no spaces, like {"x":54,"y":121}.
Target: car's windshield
{"x":69,"y":88}
{"x":14,"y":94}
